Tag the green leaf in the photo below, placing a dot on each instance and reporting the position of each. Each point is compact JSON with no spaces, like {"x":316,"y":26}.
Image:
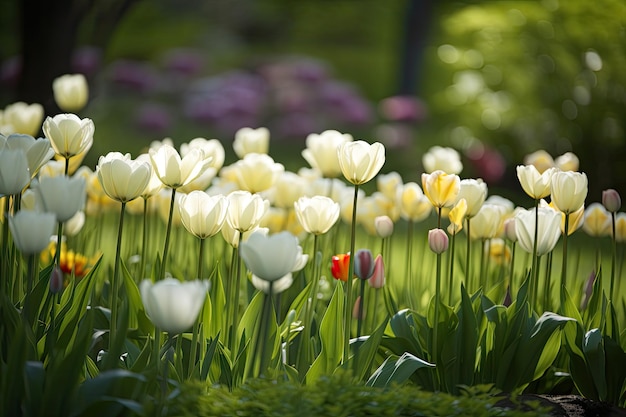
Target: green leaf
{"x":365,"y":349}
{"x":331,"y":337}
{"x":396,"y":370}
{"x":593,"y":348}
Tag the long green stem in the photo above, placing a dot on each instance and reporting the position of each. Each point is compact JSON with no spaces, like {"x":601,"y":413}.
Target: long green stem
{"x":113,"y":302}
{"x":235,"y":301}
{"x":5,"y":245}
{"x":535,"y":267}
{"x":30,"y":279}
{"x":434,"y":347}
{"x":451,"y":270}
{"x":264,"y":330}
{"x":360,"y":309}
{"x":304,"y":353}
{"x":512,"y":271}
{"x":468,"y":256}
{"x":613,"y":258}
{"x":348,"y":305}
{"x":196,"y":327}
{"x":564,"y":259}
{"x":144,"y":240}
{"x":408,"y":274}
{"x":168,"y":232}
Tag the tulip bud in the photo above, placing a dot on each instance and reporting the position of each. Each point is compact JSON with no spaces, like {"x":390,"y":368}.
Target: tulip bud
{"x":358,"y":308}
{"x":364,"y":264}
{"x":339,"y":266}
{"x":611,"y":200}
{"x":56,"y":280}
{"x":508,"y":299}
{"x":378,"y":277}
{"x":438,"y":240}
{"x":384,"y":226}
{"x":509,"y":229}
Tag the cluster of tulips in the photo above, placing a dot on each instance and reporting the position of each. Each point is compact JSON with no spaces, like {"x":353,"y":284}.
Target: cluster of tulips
{"x":268,"y":216}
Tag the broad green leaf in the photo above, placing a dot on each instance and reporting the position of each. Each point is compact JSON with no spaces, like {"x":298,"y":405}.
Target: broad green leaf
{"x":396,"y":370}
{"x":593,"y":348}
{"x":365,"y":351}
{"x":332,"y":339}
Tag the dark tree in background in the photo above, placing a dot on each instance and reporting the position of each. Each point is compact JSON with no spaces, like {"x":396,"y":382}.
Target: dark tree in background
{"x":49,"y":33}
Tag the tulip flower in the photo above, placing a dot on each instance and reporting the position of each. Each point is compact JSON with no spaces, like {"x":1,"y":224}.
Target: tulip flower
{"x":69,"y":135}
{"x":203,"y":215}
{"x":322,"y":151}
{"x":71,"y":92}
{"x":57,"y":280}
{"x":535,"y":184}
{"x":24,"y":118}
{"x":620,"y":227}
{"x":540,"y":159}
{"x":174,"y":171}
{"x":38,"y":151}
{"x":245,"y":210}
{"x":31,"y":230}
{"x":270,"y":257}
{"x":567,"y":162}
{"x":172,"y":305}
{"x":438,"y":241}
{"x":317,"y":214}
{"x":122,"y":178}
{"x":457,"y":215}
{"x":474,"y":191}
{"x":442,"y":189}
{"x":378,"y":276}
{"x":568,"y":190}
{"x":248,"y":140}
{"x":388,"y":184}
{"x":280,"y":285}
{"x":597,"y":220}
{"x":62,"y":196}
{"x":549,"y":229}
{"x":439,"y":158}
{"x":487,"y":223}
{"x":14,"y":172}
{"x":414,"y":205}
{"x":360,"y":161}
{"x":257,"y":172}
{"x":339,"y":266}
{"x":287,"y":189}
{"x":612,"y":201}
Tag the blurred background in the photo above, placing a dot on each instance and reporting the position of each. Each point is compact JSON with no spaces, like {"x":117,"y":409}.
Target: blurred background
{"x":495,"y":80}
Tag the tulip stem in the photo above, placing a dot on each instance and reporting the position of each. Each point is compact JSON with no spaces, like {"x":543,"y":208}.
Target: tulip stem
{"x":451,"y":276}
{"x":436,"y":324}
{"x":348,"y":312}
{"x":115,"y":281}
{"x":30,"y":278}
{"x":535,"y":266}
{"x":196,"y":326}
{"x":564,"y":260}
{"x":168,"y":232}
{"x":304,"y":353}
{"x":144,"y":239}
{"x":613,"y":257}
{"x":5,"y":244}
{"x":200,"y":259}
{"x":235,"y":300}
{"x":264,"y":330}
{"x":468,"y":256}
{"x":512,"y":271}
{"x":409,"y":282}
{"x":360,"y":309}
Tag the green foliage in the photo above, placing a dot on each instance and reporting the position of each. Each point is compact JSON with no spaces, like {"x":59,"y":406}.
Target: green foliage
{"x":337,"y":396}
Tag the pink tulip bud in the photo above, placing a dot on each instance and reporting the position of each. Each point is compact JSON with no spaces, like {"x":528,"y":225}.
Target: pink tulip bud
{"x":378,"y":278}
{"x":355,"y":310}
{"x":438,"y":240}
{"x":588,"y":290}
{"x":611,"y":200}
{"x":383,"y":226}
{"x":56,"y":280}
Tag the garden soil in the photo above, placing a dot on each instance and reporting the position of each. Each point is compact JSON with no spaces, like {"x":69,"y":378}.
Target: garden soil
{"x":567,"y":406}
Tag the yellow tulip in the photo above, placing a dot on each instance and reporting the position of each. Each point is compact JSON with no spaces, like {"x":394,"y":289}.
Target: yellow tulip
{"x":442,"y":189}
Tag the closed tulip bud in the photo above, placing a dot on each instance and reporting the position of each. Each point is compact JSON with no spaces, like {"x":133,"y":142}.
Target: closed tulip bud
{"x":339,"y":266}
{"x":474,"y":191}
{"x":270,"y":257}
{"x":363,"y":264}
{"x":360,"y":161}
{"x":122,"y":178}
{"x":568,"y":190}
{"x":248,"y":140}
{"x":439,"y":158}
{"x":534,"y":183}
{"x":57,"y":278}
{"x":509,"y":229}
{"x":203,"y":215}
{"x":321,"y":151}
{"x":378,"y":277}
{"x":14,"y":173}
{"x":245,"y":210}
{"x":611,"y":200}
{"x":442,"y":189}
{"x":384,"y":226}
{"x":172,"y":305}
{"x":69,"y":135}
{"x":31,"y":230}
{"x":317,"y":214}
{"x":438,"y":240}
{"x":71,"y":92}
